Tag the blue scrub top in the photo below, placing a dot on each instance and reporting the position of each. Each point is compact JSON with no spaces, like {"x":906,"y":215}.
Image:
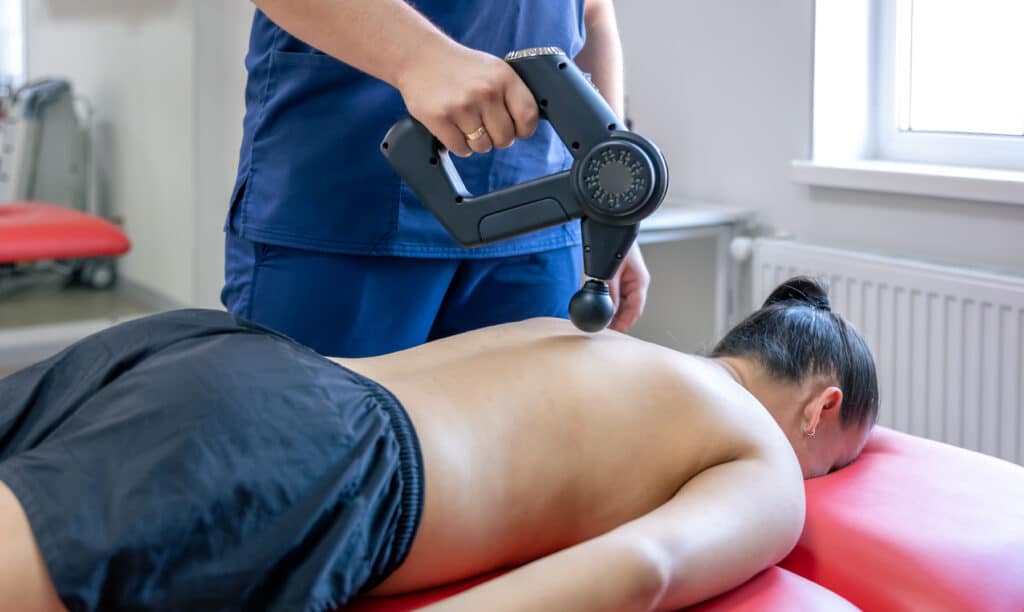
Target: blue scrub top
{"x":310,"y":174}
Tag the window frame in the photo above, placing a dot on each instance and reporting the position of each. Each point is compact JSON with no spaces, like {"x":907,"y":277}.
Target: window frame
{"x":891,"y":61}
{"x":844,"y":152}
{"x":18,"y":78}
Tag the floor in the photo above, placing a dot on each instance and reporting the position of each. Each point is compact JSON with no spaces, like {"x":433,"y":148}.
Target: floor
{"x":45,"y":300}
{"x":38,"y":314}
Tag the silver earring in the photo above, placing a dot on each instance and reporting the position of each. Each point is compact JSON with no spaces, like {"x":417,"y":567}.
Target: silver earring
{"x":810,"y":433}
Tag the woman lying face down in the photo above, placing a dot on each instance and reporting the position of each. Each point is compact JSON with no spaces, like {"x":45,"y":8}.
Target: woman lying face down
{"x":811,"y":369}
{"x":195,"y":460}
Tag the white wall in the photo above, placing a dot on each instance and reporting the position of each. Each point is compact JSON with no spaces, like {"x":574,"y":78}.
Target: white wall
{"x":724,"y":88}
{"x":135,"y":62}
{"x":222,"y":37}
{"x":167,"y":80}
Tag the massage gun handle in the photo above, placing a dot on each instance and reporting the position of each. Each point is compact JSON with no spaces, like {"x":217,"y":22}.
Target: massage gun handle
{"x":427,"y":168}
{"x":580,"y":117}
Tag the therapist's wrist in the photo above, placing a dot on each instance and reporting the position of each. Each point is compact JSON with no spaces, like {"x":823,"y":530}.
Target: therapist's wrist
{"x":426,"y":51}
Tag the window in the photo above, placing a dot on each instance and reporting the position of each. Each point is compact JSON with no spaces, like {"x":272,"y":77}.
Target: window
{"x":920,"y":97}
{"x":951,"y":82}
{"x":959,"y":67}
{"x":12,"y":44}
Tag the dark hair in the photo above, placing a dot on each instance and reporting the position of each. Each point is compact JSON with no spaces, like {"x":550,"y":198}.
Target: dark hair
{"x":796,"y":334}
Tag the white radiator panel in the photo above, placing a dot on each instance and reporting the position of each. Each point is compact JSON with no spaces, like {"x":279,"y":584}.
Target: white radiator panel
{"x":948,"y":342}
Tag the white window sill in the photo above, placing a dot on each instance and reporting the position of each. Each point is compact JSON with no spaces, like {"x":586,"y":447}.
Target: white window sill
{"x":961,"y":183}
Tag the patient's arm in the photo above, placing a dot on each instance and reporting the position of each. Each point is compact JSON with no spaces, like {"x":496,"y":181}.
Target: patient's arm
{"x":25,"y":582}
{"x":723,"y":526}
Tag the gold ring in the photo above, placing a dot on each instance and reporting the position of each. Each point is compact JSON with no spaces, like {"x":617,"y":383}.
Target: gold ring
{"x":478,"y":133}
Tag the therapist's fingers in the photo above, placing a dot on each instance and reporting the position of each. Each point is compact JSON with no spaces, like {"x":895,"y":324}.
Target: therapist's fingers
{"x":630,"y":308}
{"x":631,"y":284}
{"x":450,"y":136}
{"x":522,"y":107}
{"x":497,"y":121}
{"x":474,"y":130}
{"x":474,"y":90}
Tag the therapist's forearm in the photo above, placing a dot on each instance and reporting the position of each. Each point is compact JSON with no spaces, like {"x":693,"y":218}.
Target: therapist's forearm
{"x":380,"y":37}
{"x":601,"y":56}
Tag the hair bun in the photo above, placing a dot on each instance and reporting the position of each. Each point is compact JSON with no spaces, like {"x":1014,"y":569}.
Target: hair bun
{"x":804,"y":289}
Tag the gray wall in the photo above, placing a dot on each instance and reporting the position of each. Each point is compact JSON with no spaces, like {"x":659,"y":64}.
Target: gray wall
{"x":135,"y":62}
{"x":725,"y":89}
{"x":222,"y":36}
{"x":723,"y":86}
{"x":166,"y":78}
{"x":680,"y":309}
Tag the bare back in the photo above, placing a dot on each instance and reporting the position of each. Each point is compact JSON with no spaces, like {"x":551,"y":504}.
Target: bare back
{"x":536,"y":437}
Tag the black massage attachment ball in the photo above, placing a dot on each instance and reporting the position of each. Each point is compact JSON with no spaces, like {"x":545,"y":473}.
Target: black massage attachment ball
{"x":591,"y":309}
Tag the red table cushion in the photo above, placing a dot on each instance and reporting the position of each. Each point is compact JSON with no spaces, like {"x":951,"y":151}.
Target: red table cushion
{"x":774,"y":589}
{"x":413,"y":601}
{"x":32,"y":231}
{"x":917,"y":525}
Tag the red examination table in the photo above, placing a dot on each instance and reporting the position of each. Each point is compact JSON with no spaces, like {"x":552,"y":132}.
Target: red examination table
{"x":917,"y":525}
{"x":773,"y":590}
{"x":911,"y":525}
{"x":32,"y":232}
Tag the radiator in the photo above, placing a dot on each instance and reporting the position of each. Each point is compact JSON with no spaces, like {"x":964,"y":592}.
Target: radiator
{"x":948,"y":342}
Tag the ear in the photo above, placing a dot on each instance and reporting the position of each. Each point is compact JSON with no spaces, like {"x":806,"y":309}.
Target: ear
{"x":824,"y":406}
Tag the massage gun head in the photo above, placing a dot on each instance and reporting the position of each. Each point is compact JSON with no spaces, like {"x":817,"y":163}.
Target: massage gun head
{"x":620,"y":180}
{"x":616,"y":178}
{"x":591,"y":309}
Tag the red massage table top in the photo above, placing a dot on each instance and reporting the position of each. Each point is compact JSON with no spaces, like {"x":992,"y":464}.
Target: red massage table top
{"x":33,"y":231}
{"x":911,"y":525}
{"x":917,"y":525}
{"x":773,"y":590}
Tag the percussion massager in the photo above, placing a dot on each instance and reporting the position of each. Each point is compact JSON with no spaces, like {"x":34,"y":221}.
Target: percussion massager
{"x":617,"y":179}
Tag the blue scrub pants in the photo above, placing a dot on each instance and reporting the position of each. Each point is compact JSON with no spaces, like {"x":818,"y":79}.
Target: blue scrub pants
{"x":358,"y":305}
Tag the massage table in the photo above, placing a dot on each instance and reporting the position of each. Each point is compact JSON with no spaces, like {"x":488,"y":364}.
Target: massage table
{"x":911,"y":525}
{"x":34,"y":232}
{"x":773,"y":590}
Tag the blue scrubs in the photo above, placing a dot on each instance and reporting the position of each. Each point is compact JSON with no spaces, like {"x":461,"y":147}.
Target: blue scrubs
{"x":326,"y":243}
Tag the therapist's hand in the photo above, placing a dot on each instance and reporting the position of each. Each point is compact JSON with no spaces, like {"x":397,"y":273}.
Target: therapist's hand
{"x":629,"y":290}
{"x":454,"y":91}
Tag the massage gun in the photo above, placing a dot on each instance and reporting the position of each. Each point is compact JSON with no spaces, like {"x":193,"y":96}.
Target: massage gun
{"x":617,"y":179}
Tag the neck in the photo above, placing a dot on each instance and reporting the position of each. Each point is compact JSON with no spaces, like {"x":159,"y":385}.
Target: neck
{"x":733,"y":368}
{"x":750,"y":376}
